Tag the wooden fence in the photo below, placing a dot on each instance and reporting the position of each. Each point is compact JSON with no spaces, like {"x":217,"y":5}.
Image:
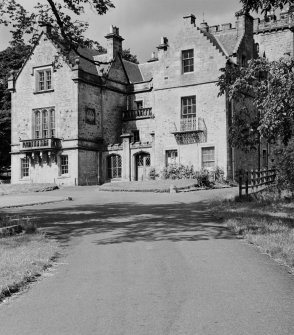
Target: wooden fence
{"x":255,"y":178}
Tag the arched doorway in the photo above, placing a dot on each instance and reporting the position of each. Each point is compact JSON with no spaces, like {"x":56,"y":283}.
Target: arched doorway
{"x":142,"y":166}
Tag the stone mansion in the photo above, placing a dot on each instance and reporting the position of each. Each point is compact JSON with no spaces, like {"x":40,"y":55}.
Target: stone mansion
{"x":77,"y":123}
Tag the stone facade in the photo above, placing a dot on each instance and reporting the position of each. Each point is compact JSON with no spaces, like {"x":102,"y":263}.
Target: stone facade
{"x":77,"y":123}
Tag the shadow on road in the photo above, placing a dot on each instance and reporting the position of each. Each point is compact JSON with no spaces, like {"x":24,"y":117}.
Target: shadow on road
{"x":131,"y":222}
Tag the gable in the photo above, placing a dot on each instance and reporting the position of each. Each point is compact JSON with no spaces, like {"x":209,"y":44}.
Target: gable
{"x":117,"y":71}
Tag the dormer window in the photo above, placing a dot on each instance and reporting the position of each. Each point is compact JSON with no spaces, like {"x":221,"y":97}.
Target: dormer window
{"x":43,"y":80}
{"x":187,"y":61}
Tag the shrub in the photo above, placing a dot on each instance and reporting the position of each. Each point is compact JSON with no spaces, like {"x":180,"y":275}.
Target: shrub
{"x":284,"y":162}
{"x":178,"y":171}
{"x":152,"y":174}
{"x":203,"y":178}
{"x":219,"y":174}
{"x":28,"y":226}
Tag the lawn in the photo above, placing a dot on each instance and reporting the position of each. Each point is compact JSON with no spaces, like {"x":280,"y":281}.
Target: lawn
{"x":23,"y":257}
{"x":25,"y":188}
{"x":162,"y":185}
{"x":268,"y":224}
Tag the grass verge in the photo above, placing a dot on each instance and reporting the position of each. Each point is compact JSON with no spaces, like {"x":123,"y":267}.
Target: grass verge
{"x":268,"y":224}
{"x":6,"y":189}
{"x":23,"y":258}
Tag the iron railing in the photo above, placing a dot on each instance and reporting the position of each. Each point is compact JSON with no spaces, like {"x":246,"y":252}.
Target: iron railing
{"x":189,"y":124}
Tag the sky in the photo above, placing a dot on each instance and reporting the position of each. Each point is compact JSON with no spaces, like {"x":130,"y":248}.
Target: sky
{"x":143,"y":22}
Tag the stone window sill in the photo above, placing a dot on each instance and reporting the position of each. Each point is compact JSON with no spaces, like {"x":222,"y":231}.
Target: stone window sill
{"x":45,"y":91}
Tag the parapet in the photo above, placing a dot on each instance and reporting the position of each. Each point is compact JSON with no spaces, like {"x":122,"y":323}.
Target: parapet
{"x":273,"y":23}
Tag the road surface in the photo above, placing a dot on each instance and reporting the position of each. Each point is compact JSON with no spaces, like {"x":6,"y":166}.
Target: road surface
{"x":149,"y":264}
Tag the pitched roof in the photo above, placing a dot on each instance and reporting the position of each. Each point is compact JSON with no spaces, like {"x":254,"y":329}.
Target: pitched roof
{"x":93,"y":55}
{"x":133,"y":71}
{"x":229,"y":40}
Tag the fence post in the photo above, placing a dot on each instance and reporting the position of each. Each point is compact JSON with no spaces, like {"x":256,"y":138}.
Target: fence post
{"x":247,"y":181}
{"x":252,"y":179}
{"x":240,"y":185}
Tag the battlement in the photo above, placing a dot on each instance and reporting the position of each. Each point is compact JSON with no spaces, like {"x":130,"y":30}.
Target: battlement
{"x":284,"y":21}
{"x":273,"y":23}
{"x":226,"y":27}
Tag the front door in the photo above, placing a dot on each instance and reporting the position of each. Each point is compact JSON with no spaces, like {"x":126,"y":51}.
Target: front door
{"x":143,"y":166}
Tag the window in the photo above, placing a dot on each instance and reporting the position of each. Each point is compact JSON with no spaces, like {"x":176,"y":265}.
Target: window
{"x":188,"y":61}
{"x":37,"y":124}
{"x":208,"y":160}
{"x":171,"y":157}
{"x":139,"y":104}
{"x":64,"y":164}
{"x":52,"y":122}
{"x":264,"y":158}
{"x":188,"y":107}
{"x":136,"y":135}
{"x":114,"y":166}
{"x":44,"y":80}
{"x":44,"y":123}
{"x":25,"y":167}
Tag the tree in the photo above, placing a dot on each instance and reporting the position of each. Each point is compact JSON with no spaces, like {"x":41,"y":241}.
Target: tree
{"x":61,"y":18}
{"x":264,"y":5}
{"x":126,"y":54}
{"x":270,"y":88}
{"x":10,"y":59}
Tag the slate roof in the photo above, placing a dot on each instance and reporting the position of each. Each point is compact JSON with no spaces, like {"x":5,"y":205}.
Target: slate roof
{"x":228,"y":40}
{"x":133,"y":71}
{"x":90,"y":67}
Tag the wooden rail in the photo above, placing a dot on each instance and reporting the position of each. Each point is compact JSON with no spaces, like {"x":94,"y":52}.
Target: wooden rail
{"x":255,"y":178}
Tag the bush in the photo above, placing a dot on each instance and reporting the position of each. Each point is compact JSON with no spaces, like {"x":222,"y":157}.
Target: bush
{"x":203,"y":178}
{"x":178,"y":171}
{"x":219,"y":174}
{"x":28,"y":226}
{"x":153,"y":174}
{"x":284,"y":163}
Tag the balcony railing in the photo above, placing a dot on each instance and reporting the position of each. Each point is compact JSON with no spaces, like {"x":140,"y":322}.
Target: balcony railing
{"x":40,"y":144}
{"x":189,"y":124}
{"x":141,"y":113}
{"x":191,"y":130}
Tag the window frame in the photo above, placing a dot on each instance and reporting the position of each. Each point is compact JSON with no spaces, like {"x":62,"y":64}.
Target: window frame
{"x":24,"y":167}
{"x":208,"y":163}
{"x":140,"y":104}
{"x":136,"y":135}
{"x":64,"y":166}
{"x":174,"y":158}
{"x":189,"y":106}
{"x":187,"y":61}
{"x":44,"y":80}
{"x":111,"y":167}
{"x":44,"y":123}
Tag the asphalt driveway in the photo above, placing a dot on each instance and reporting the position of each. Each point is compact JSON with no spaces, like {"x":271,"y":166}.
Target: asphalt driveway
{"x":149,"y":264}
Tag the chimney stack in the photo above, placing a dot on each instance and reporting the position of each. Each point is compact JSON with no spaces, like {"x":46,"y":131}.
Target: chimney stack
{"x":114,"y":42}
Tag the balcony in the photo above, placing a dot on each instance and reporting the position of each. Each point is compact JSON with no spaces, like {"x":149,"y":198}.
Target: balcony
{"x":40,"y":144}
{"x":138,"y":114}
{"x":192,"y":130}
